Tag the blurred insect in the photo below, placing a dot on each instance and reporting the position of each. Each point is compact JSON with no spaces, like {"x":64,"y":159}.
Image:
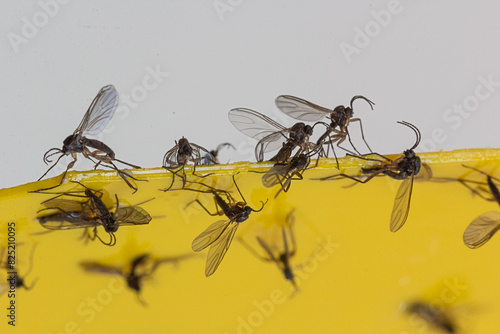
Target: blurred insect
{"x":141,"y":267}
{"x":280,"y":256}
{"x":404,"y":168}
{"x":437,"y":318}
{"x":212,"y":158}
{"x":220,"y":234}
{"x":181,"y":154}
{"x":96,"y":118}
{"x":484,"y":227}
{"x":14,"y":279}
{"x":90,"y":214}
{"x":340,"y":118}
{"x":272,"y":135}
{"x":283,"y":173}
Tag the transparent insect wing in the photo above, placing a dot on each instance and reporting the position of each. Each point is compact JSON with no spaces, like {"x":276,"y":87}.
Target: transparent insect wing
{"x":482,"y":229}
{"x":67,"y":221}
{"x":425,"y":173}
{"x":219,"y":248}
{"x":200,"y":152}
{"x":210,"y":235}
{"x":63,"y":205}
{"x":100,"y":112}
{"x":401,"y":206}
{"x":132,"y":215}
{"x":98,"y":268}
{"x":275,"y":175}
{"x":170,"y":158}
{"x":301,"y":109}
{"x":254,"y":124}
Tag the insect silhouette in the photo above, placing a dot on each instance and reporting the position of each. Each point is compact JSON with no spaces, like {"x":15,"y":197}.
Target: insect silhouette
{"x":340,"y":118}
{"x":484,"y":227}
{"x":404,"y":168}
{"x":140,"y":268}
{"x":212,"y":158}
{"x":15,"y":280}
{"x":283,"y":173}
{"x":281,"y":256}
{"x":271,"y":135}
{"x":437,"y":318}
{"x":180,"y":155}
{"x":220,"y":234}
{"x":90,"y":214}
{"x":96,"y":118}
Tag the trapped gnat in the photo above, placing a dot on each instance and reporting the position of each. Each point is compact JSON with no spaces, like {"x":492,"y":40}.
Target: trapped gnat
{"x":9,"y":263}
{"x":277,"y":253}
{"x":96,"y":118}
{"x":220,"y":234}
{"x":141,"y":268}
{"x":340,"y":118}
{"x":484,"y":227}
{"x":404,"y":168}
{"x":437,"y":318}
{"x":176,"y":159}
{"x":90,"y":213}
{"x":283,"y":173}
{"x":213,"y":157}
{"x":271,"y":135}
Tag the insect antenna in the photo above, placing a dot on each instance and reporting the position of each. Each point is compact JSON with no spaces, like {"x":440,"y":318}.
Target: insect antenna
{"x":364,"y":98}
{"x":416,"y":130}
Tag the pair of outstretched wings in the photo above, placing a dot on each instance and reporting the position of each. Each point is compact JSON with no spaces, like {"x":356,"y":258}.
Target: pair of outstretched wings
{"x":218,"y":236}
{"x":198,"y":155}
{"x":74,"y":214}
{"x":270,"y":134}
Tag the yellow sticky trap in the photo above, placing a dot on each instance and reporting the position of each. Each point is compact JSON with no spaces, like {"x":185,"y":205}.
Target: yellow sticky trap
{"x":355,"y":275}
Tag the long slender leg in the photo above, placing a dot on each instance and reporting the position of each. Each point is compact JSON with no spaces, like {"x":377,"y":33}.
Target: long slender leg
{"x":362,"y":132}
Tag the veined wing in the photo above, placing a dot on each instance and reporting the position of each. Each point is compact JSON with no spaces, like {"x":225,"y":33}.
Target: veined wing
{"x":219,"y":249}
{"x":275,"y":175}
{"x":100,"y":112}
{"x":401,"y":206}
{"x":301,"y":109}
{"x":67,"y":221}
{"x":210,"y":235}
{"x":98,"y":268}
{"x":254,"y":124}
{"x":482,"y":229}
{"x":132,"y":215}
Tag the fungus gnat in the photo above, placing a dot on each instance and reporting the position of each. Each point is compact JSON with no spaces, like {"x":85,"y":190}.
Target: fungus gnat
{"x":141,"y":267}
{"x":96,"y":118}
{"x":404,"y":168}
{"x":340,"y":118}
{"x":436,"y":317}
{"x":212,"y":158}
{"x":220,"y":234}
{"x":283,"y":173}
{"x":14,"y":278}
{"x":90,"y":214}
{"x":180,"y":155}
{"x":280,"y":255}
{"x":271,"y":135}
{"x":484,"y":227}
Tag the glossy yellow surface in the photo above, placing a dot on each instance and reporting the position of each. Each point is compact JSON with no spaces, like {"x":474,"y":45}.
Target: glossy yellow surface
{"x":354,"y":275}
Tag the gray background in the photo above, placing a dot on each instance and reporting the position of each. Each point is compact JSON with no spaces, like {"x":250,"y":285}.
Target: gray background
{"x":419,"y":61}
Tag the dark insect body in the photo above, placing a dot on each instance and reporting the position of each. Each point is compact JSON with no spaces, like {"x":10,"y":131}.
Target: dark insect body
{"x":340,"y":118}
{"x":220,"y":234}
{"x":176,"y":159}
{"x":94,"y":121}
{"x":271,"y":135}
{"x":404,"y":168}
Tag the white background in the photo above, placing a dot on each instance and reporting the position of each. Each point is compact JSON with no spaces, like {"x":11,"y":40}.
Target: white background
{"x":418,"y":63}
